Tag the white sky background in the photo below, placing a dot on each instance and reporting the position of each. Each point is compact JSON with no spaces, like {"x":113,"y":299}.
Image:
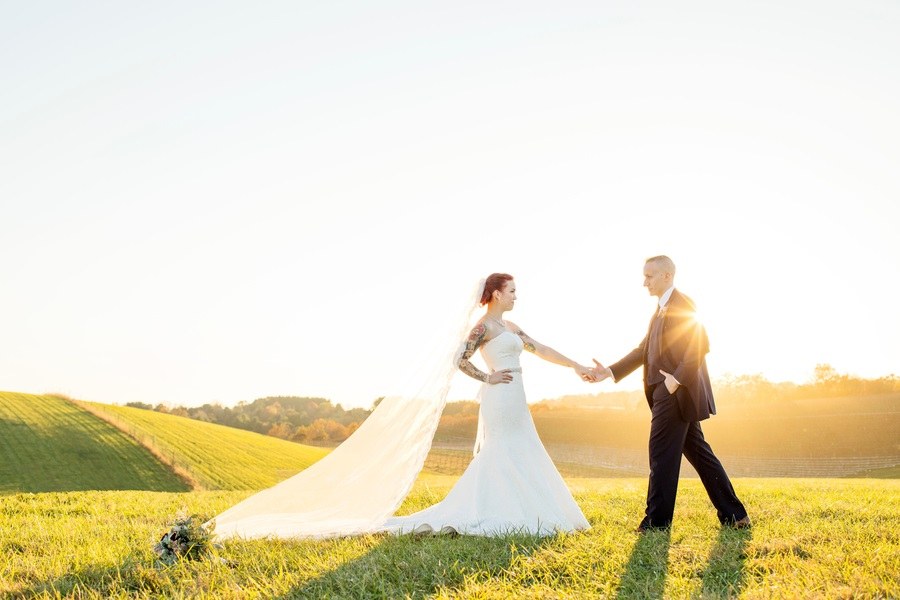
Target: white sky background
{"x":218,"y":202}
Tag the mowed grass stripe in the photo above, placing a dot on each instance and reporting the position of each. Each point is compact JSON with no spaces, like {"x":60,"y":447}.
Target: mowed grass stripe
{"x":218,"y":457}
{"x":48,"y":444}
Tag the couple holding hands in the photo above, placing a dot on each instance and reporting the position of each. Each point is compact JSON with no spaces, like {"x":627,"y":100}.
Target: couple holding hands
{"x":676,"y":385}
{"x":511,"y":485}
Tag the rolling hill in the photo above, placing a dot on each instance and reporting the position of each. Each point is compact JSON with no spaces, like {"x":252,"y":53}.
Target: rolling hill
{"x":215,"y":456}
{"x":48,"y":444}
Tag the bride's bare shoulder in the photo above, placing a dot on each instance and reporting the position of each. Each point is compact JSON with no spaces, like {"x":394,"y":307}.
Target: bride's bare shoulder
{"x":484,"y":330}
{"x":513,"y":327}
{"x":530,"y":344}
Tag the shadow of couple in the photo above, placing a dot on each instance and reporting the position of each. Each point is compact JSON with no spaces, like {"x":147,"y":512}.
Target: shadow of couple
{"x":723,"y":577}
{"x":419,"y":568}
{"x":426,"y":570}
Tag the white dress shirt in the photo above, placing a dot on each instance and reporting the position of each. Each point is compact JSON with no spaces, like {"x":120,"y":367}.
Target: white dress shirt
{"x":663,"y":300}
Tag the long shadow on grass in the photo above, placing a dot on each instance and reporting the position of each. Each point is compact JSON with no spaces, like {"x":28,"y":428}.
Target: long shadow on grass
{"x":70,"y":456}
{"x":645,"y":573}
{"x":91,"y":579}
{"x":409,"y":567}
{"x":724,"y":574}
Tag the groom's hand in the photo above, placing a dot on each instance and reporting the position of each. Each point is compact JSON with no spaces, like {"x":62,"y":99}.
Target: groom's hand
{"x":671,"y":383}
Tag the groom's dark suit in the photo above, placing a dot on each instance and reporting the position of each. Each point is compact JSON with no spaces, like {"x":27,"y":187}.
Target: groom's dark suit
{"x":676,"y":343}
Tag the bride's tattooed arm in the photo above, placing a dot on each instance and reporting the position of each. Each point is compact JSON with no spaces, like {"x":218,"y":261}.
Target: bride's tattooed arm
{"x":530,"y":344}
{"x":545,"y":352}
{"x":475,"y":339}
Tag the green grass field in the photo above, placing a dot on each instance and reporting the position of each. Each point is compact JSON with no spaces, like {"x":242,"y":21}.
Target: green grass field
{"x":217,"y":457}
{"x":811,"y":539}
{"x":48,"y":444}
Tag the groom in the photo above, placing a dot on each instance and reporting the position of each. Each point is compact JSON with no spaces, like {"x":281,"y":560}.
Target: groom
{"x":676,"y":384}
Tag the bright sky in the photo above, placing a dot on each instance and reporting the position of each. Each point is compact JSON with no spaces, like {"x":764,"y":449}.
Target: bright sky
{"x":219,"y":201}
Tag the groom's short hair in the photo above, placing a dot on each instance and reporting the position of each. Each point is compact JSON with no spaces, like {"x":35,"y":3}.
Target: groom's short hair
{"x":663,"y":262}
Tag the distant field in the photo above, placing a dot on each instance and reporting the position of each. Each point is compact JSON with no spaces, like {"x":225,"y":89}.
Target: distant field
{"x":830,"y":437}
{"x":886,"y":473}
{"x":47,"y":444}
{"x":811,"y":539}
{"x":218,"y":457}
{"x":865,"y":426}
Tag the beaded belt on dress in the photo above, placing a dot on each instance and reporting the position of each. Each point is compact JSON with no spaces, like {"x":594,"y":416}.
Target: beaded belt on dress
{"x":512,"y":370}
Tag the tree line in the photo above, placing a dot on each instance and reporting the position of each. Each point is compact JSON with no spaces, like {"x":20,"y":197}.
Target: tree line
{"x":318,"y":421}
{"x":298,"y":419}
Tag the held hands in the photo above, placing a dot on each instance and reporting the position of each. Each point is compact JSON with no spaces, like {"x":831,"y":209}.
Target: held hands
{"x":600,"y":372}
{"x":585,"y":373}
{"x":501,"y":376}
{"x":671,"y":383}
{"x":592,"y":375}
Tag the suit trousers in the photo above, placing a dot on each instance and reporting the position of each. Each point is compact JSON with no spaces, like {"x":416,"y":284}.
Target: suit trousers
{"x":670,"y":437}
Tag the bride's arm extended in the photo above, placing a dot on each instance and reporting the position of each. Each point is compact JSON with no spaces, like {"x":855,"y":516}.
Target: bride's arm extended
{"x":475,"y":339}
{"x":545,"y":352}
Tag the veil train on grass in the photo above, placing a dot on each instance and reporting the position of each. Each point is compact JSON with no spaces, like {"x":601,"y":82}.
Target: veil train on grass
{"x":361,"y":483}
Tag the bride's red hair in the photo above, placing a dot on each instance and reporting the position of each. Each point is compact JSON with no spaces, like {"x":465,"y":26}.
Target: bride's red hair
{"x":494,"y":282}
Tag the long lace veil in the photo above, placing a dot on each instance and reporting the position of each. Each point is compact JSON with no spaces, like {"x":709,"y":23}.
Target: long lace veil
{"x":356,"y":487}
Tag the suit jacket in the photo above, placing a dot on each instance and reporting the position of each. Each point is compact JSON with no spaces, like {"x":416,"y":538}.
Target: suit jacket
{"x":683,"y":352}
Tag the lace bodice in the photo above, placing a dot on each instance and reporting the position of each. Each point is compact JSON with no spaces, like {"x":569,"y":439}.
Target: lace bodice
{"x":503,"y":351}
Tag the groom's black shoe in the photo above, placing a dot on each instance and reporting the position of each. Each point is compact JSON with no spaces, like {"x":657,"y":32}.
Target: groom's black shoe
{"x":740,"y":523}
{"x":646,"y":528}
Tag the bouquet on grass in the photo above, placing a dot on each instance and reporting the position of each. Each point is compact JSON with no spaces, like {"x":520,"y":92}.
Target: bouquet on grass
{"x":188,"y":539}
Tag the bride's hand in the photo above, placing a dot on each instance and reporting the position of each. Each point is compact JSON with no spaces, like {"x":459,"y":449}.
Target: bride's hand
{"x":501,"y":376}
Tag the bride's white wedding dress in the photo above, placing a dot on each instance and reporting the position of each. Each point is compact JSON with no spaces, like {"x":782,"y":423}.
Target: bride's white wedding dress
{"x":511,"y":485}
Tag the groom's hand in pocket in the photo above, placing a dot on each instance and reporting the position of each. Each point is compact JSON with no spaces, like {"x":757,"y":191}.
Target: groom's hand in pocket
{"x":671,"y":383}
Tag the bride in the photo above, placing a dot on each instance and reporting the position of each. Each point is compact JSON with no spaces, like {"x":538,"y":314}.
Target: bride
{"x":510,"y":486}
